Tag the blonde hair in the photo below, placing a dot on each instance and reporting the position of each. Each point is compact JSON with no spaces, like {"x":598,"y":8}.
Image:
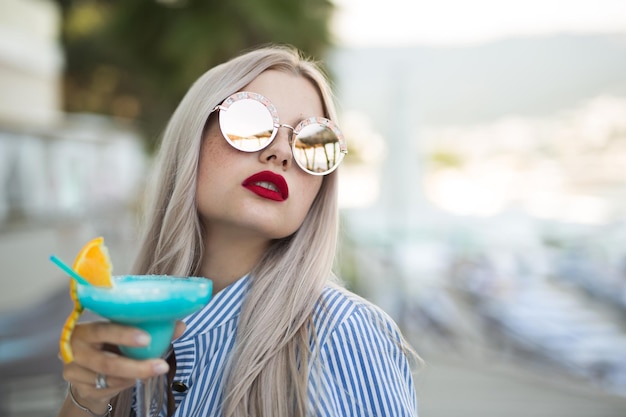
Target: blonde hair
{"x":274,"y":332}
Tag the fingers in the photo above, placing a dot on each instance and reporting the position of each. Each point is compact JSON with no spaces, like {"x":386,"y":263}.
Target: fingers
{"x":102,"y":332}
{"x":91,"y":344}
{"x":113,"y":365}
{"x":84,"y":381}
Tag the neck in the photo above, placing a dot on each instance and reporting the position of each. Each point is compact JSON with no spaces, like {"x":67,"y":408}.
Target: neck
{"x":228,"y":257}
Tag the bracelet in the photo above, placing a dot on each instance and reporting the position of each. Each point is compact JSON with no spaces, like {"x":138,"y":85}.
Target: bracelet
{"x":85,"y":409}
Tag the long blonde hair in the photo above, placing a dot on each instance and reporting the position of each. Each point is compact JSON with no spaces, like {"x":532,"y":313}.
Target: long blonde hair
{"x":265,"y":377}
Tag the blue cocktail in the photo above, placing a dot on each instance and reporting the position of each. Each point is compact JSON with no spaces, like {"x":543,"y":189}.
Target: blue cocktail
{"x":152,"y":303}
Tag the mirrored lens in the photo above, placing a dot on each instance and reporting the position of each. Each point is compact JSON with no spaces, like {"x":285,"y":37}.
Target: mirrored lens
{"x":247,"y":125}
{"x":317,"y":149}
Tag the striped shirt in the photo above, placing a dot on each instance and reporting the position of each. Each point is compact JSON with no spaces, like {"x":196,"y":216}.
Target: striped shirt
{"x":362,"y":370}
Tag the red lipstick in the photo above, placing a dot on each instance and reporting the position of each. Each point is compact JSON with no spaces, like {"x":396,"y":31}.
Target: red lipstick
{"x":268,"y":185}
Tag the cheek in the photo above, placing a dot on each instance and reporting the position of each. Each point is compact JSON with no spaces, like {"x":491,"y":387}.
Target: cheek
{"x":214,"y":155}
{"x":309,"y":188}
{"x":210,"y":165}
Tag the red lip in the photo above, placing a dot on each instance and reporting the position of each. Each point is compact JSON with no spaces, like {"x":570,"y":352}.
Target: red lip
{"x":259,"y":183}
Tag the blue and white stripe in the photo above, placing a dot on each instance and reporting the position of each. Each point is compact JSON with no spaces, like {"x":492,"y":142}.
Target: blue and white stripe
{"x":360,"y":369}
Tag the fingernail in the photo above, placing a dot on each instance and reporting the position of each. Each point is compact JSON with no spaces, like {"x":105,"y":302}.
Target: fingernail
{"x":142,"y":338}
{"x":161,"y":367}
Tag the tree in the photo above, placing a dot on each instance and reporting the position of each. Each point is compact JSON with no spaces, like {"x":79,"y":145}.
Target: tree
{"x":135,"y":59}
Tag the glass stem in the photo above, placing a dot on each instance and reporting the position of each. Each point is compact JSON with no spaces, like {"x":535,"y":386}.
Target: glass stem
{"x":144,"y":390}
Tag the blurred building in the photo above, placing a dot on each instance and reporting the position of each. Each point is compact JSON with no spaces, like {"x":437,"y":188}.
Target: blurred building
{"x":31,"y":63}
{"x":64,"y":178}
{"x":54,"y":167}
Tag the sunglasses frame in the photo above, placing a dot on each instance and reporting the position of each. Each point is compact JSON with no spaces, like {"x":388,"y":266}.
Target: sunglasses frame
{"x":322,"y":121}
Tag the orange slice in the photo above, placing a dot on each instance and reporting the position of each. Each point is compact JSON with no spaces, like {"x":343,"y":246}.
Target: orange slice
{"x":66,"y":333}
{"x":93,"y":264}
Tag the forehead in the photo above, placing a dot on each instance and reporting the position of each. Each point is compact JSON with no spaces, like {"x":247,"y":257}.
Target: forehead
{"x":293,"y":95}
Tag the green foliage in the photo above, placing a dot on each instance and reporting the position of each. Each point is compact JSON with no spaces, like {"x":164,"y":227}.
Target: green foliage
{"x":135,"y":59}
{"x":446,"y":159}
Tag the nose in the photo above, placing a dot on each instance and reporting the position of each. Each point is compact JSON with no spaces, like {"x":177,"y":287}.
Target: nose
{"x":279,"y":151}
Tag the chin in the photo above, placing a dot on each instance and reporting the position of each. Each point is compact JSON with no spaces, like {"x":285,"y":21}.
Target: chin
{"x":284,"y":235}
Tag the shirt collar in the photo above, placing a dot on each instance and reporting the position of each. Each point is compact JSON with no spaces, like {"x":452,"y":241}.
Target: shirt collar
{"x":224,"y":306}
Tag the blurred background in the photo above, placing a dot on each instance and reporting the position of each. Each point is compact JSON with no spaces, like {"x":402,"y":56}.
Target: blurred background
{"x":483,"y":199}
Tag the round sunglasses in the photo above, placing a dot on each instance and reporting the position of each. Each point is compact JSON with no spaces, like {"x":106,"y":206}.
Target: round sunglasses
{"x":249,"y":122}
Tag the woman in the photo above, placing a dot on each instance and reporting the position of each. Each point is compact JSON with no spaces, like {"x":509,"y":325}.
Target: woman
{"x":257,"y":214}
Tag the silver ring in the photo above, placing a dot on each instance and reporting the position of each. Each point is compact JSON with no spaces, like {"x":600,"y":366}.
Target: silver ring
{"x":101,"y":381}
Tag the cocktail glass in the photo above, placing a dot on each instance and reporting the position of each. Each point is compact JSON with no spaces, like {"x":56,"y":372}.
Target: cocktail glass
{"x":152,"y":303}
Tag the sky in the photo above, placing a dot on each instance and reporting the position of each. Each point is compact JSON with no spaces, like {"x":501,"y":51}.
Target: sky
{"x":462,"y":22}
{"x":390,"y":23}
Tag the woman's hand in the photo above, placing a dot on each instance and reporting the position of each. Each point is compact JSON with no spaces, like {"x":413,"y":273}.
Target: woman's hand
{"x":94,"y":359}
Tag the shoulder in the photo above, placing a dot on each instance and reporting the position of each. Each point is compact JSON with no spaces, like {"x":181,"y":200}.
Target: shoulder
{"x":349,"y":328}
{"x":363,"y":367}
{"x":341,"y":310}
